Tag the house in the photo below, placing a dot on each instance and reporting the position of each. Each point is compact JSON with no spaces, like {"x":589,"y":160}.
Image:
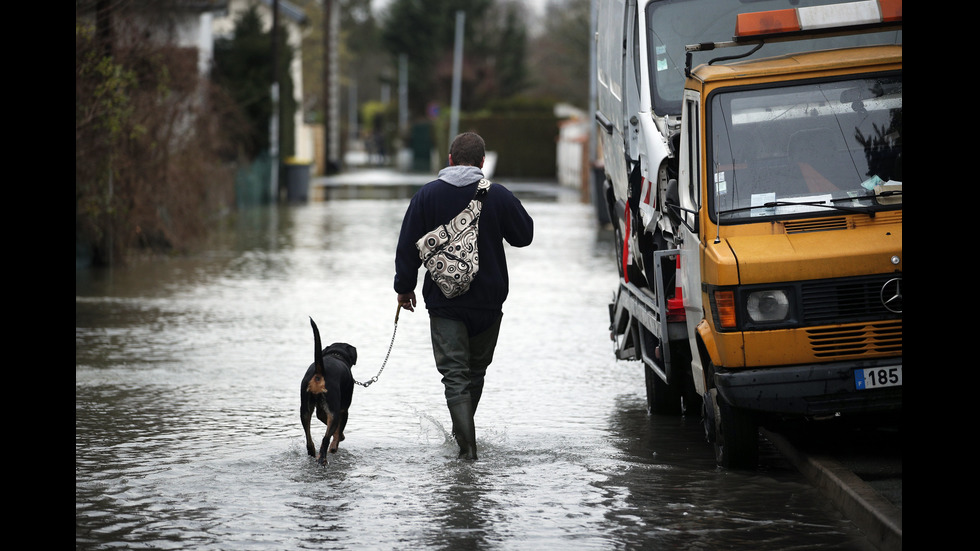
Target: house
{"x":186,"y":24}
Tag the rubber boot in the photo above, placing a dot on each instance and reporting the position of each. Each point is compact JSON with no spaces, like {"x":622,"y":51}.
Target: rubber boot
{"x":463,"y":428}
{"x":475,"y":399}
{"x":476,"y":402}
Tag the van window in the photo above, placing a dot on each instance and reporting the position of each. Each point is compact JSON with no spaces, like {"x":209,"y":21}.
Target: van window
{"x":673,"y":24}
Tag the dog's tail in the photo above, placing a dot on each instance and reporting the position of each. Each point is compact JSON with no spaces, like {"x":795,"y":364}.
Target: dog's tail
{"x":317,"y":350}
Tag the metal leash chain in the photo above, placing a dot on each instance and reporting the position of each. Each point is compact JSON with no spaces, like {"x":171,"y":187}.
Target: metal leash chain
{"x":393,"y":332}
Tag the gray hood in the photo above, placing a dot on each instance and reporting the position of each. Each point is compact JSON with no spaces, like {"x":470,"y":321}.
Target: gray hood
{"x":460,"y":175}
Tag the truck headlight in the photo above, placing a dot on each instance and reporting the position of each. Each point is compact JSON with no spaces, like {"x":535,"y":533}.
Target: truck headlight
{"x":767,"y":306}
{"x":761,"y":307}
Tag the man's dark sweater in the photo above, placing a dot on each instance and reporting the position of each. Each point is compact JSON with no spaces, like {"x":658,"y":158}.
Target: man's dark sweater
{"x":502,"y":218}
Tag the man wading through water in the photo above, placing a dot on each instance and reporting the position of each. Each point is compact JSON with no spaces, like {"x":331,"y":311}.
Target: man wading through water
{"x":464,"y":329}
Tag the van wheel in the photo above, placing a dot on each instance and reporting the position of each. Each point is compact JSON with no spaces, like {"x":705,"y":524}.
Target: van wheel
{"x":661,"y":398}
{"x":736,"y":435}
{"x":618,"y":243}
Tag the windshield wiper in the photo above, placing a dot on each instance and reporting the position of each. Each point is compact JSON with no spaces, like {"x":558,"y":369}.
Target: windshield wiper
{"x":772,"y":204}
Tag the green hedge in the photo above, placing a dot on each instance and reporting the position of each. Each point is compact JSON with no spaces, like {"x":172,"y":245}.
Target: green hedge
{"x":526,"y":144}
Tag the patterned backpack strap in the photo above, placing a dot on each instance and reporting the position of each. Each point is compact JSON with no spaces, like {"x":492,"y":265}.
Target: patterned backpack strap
{"x":481,"y":189}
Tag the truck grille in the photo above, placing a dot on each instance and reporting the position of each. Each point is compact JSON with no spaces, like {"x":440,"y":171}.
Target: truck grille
{"x":846,"y":300}
{"x":862,"y":325}
{"x":841,"y":222}
{"x":871,"y":339}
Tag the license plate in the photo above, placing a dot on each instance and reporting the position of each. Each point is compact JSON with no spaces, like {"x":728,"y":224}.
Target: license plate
{"x":877,"y":377}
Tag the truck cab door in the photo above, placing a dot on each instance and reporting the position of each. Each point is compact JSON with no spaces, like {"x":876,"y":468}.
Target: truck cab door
{"x":689,"y":199}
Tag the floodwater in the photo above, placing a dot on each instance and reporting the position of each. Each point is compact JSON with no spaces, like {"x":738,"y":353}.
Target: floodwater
{"x":187,"y":431}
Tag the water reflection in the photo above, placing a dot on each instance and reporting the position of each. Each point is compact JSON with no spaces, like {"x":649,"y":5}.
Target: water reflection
{"x":673,"y":497}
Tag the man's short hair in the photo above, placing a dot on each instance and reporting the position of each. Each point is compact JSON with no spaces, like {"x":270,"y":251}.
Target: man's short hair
{"x":468,"y":149}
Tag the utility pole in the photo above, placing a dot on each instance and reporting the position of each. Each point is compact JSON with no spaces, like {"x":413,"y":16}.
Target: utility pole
{"x":457,"y":70}
{"x":327,"y":13}
{"x":274,"y":119}
{"x":331,"y":138}
{"x":403,"y":94}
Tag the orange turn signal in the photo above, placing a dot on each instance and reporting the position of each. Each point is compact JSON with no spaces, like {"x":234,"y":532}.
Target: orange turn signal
{"x":725,"y":306}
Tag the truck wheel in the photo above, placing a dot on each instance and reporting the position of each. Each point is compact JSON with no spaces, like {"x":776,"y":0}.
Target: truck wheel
{"x":661,"y":398}
{"x":683,"y":384}
{"x":691,"y":404}
{"x":736,"y":435}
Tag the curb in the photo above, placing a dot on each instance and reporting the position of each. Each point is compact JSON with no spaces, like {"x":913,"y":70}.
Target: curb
{"x":877,"y":517}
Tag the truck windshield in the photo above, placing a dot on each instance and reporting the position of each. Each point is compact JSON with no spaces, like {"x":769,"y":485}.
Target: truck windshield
{"x":673,"y":24}
{"x":807,"y":148}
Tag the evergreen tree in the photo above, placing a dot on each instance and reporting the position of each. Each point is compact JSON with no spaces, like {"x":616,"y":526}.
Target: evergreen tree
{"x":243,"y":66}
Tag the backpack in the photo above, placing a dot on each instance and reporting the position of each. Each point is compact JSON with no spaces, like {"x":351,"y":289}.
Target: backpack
{"x":449,"y":252}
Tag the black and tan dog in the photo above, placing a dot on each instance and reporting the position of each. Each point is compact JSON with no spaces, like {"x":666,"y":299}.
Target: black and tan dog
{"x":327,"y":388}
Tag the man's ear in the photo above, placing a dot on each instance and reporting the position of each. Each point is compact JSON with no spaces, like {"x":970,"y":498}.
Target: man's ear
{"x":450,"y":159}
{"x":482,"y":161}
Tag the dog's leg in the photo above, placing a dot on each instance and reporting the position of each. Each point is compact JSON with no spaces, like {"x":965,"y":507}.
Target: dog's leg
{"x":343,"y":425}
{"x":334,"y":430}
{"x":330,"y":421}
{"x":335,"y":443}
{"x":325,"y":417}
{"x":305,"y":415}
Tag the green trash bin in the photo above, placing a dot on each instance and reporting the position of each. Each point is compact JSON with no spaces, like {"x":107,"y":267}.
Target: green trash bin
{"x":421,"y":147}
{"x":297,"y":180}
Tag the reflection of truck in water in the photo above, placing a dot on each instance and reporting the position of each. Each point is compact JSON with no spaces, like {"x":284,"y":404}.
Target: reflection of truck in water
{"x":753,"y":175}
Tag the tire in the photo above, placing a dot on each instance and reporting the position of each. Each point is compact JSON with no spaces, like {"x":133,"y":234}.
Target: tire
{"x":736,"y":431}
{"x":661,"y":398}
{"x":680,"y":354}
{"x":691,"y":403}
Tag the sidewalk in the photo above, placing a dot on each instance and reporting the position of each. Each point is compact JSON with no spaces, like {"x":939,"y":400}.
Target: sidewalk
{"x":875,"y":505}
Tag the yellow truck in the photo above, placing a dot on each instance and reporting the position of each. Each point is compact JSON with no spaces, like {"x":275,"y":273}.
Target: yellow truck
{"x":753,"y":175}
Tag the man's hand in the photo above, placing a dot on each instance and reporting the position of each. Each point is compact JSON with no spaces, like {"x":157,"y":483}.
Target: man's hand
{"x":407,"y":300}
